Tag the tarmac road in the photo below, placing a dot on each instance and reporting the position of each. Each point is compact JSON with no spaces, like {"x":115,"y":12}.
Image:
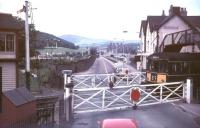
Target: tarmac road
{"x":155,"y":116}
{"x":100,"y":66}
{"x":104,"y":66}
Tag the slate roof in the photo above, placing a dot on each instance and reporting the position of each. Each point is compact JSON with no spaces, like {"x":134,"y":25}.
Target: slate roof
{"x":19,"y":96}
{"x":194,"y":20}
{"x":143,"y":27}
{"x":7,"y":21}
{"x":155,"y":22}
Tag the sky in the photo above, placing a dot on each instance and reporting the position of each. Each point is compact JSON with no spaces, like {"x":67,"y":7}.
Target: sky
{"x":101,"y":19}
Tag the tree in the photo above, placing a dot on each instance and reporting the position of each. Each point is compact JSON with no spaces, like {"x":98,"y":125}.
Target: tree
{"x":93,"y":51}
{"x":21,"y":40}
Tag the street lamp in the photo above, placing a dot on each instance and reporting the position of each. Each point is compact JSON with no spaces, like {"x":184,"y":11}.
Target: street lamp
{"x":116,"y":47}
{"x":123,"y":42}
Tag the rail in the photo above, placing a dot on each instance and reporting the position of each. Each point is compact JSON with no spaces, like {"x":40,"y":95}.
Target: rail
{"x":186,"y":37}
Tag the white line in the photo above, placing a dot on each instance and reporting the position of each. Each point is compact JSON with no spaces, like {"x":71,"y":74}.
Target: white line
{"x":105,"y":67}
{"x":109,"y":61}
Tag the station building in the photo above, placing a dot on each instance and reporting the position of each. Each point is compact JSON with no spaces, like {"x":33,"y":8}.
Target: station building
{"x":154,"y":29}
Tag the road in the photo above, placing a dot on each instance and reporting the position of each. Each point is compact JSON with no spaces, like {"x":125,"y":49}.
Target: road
{"x":103,"y":66}
{"x":155,"y":116}
{"x":100,"y":66}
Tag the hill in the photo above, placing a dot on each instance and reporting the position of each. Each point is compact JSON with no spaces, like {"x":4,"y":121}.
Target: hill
{"x":83,"y":41}
{"x":90,"y":42}
{"x":43,"y":39}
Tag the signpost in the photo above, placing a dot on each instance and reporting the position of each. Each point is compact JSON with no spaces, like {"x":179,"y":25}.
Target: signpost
{"x":135,"y":96}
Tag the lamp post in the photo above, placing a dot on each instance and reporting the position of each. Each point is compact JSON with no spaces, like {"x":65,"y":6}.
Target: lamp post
{"x":123,"y":42}
{"x":116,"y":47}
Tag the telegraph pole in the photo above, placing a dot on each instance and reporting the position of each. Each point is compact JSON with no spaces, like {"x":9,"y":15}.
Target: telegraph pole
{"x":25,"y":9}
{"x":27,"y":47}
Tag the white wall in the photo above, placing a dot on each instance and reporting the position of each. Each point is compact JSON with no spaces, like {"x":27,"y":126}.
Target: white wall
{"x":173,"y":25}
{"x":8,"y":75}
{"x":151,"y":41}
{"x":150,"y":46}
{"x":142,"y":38}
{"x":190,"y":49}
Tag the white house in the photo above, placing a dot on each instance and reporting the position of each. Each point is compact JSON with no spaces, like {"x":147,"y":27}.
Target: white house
{"x":154,"y":29}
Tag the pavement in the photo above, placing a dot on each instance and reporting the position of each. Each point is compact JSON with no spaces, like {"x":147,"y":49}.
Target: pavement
{"x":192,"y":109}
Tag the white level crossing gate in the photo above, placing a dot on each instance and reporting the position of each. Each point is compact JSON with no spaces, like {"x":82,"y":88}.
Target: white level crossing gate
{"x":92,"y":92}
{"x":103,"y":80}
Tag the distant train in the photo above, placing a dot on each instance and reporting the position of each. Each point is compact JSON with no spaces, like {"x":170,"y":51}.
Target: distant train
{"x":170,"y":67}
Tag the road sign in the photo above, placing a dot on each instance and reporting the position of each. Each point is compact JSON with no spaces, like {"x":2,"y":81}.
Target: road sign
{"x":135,"y":95}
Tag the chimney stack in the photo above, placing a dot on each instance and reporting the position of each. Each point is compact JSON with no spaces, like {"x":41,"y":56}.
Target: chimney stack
{"x":163,"y":13}
{"x":185,"y":12}
{"x":177,"y":11}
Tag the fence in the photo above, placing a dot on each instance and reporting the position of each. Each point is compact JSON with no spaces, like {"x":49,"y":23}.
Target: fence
{"x":104,"y":98}
{"x":91,"y":92}
{"x":103,"y":80}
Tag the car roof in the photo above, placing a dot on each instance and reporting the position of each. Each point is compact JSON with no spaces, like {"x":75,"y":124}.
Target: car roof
{"x":119,"y":123}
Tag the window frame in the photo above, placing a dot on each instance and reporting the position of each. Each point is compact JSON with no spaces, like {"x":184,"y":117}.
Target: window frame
{"x":5,"y":34}
{"x":1,"y":89}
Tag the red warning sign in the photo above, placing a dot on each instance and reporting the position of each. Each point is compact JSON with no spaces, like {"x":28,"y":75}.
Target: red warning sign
{"x":135,"y":95}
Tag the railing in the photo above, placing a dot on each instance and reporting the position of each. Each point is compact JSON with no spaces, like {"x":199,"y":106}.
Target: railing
{"x":104,"y":98}
{"x":30,"y":122}
{"x":186,"y":37}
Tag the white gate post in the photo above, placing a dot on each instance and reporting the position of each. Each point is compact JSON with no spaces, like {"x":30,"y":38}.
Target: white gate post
{"x":184,"y":90}
{"x":140,"y":78}
{"x":161,"y":93}
{"x":189,"y":90}
{"x":103,"y":99}
{"x":93,"y":81}
{"x":67,"y":93}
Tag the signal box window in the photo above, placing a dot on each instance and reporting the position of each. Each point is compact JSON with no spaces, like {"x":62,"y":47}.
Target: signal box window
{"x":0,"y":89}
{"x":185,"y":67}
{"x":7,"y":42}
{"x":154,"y":66}
{"x":162,"y":67}
{"x":10,"y":42}
{"x":195,"y":68}
{"x":174,"y":68}
{"x":2,"y":42}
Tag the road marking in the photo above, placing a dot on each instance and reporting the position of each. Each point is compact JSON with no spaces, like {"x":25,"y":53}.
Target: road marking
{"x":105,"y":67}
{"x":109,"y":61}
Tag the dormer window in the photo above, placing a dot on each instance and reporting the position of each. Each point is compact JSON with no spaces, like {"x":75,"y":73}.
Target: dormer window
{"x":7,"y":42}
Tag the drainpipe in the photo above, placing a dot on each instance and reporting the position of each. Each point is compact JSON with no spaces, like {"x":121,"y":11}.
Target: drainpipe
{"x":145,"y":43}
{"x":157,"y":43}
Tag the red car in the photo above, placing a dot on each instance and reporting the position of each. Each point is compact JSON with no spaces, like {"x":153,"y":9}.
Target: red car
{"x":118,"y":123}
